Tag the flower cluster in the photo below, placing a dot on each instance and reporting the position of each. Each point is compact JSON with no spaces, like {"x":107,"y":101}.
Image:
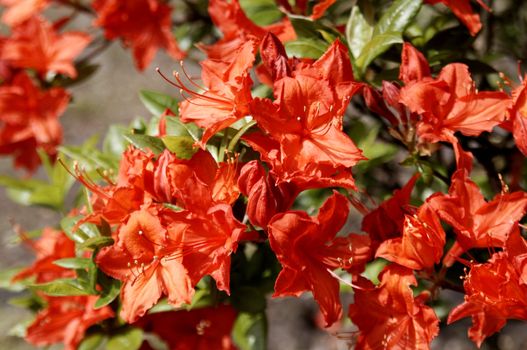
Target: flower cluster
{"x":210,"y":209}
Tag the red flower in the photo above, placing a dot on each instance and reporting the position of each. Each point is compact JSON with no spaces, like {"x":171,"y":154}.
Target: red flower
{"x":65,"y":320}
{"x":19,"y":11}
{"x":36,"y":44}
{"x":414,"y":66}
{"x":495,"y":291}
{"x":386,"y":221}
{"x":145,"y":258}
{"x":29,"y":119}
{"x":196,"y":184}
{"x":304,"y":123}
{"x":236,"y":27}
{"x":389,"y":317}
{"x":264,"y":197}
{"x":463,"y":11}
{"x":197,"y":329}
{"x":209,"y":240}
{"x":143,"y":25}
{"x":450,"y":103}
{"x":320,"y":8}
{"x":52,"y":245}
{"x":421,"y":245}
{"x":308,"y":251}
{"x":404,"y":117}
{"x":227,"y":96}
{"x":160,"y":250}
{"x":477,"y":223}
{"x":518,"y":117}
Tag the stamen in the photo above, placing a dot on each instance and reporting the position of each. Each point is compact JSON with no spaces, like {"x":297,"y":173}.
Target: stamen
{"x":189,"y":78}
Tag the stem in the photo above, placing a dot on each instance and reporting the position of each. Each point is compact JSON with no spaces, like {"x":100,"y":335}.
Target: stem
{"x":239,"y":134}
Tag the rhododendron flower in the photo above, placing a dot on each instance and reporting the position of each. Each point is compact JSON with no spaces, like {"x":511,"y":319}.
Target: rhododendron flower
{"x":65,"y":320}
{"x":145,"y":259}
{"x":422,"y":242}
{"x":167,"y":179}
{"x":386,"y":221}
{"x":465,"y":13}
{"x":450,"y":103}
{"x":478,"y":223}
{"x":227,"y":95}
{"x":51,"y":245}
{"x":414,"y":66}
{"x":143,"y":25}
{"x":304,"y":123}
{"x":389,"y":317}
{"x":309,"y":251}
{"x":29,"y":119}
{"x":18,"y":11}
{"x":36,"y":44}
{"x":199,"y":329}
{"x":209,"y":240}
{"x":236,"y":27}
{"x":264,"y":197}
{"x":196,"y":184}
{"x":159,"y":250}
{"x":495,"y":291}
{"x":518,"y":117}
{"x":414,"y":70}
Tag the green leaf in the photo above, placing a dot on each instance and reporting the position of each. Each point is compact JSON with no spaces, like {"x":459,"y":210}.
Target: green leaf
{"x":312,"y":40}
{"x":61,"y":287}
{"x":96,"y":242}
{"x":306,"y":28}
{"x":67,"y":224}
{"x":261,"y":12}
{"x":379,"y":44}
{"x":397,"y":17}
{"x":110,"y":292}
{"x":250,"y":331}
{"x":358,"y":31}
{"x":87,"y":277}
{"x":82,"y":233}
{"x":114,"y":141}
{"x":157,"y":103}
{"x":201,"y":298}
{"x":94,"y":341}
{"x":74,"y":263}
{"x":182,"y":146}
{"x":35,"y":192}
{"x":162,"y":306}
{"x":306,"y":48}
{"x":129,"y":339}
{"x":6,"y":277}
{"x":146,"y":142}
{"x":176,"y":127}
{"x":90,"y":158}
{"x":28,"y":301}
